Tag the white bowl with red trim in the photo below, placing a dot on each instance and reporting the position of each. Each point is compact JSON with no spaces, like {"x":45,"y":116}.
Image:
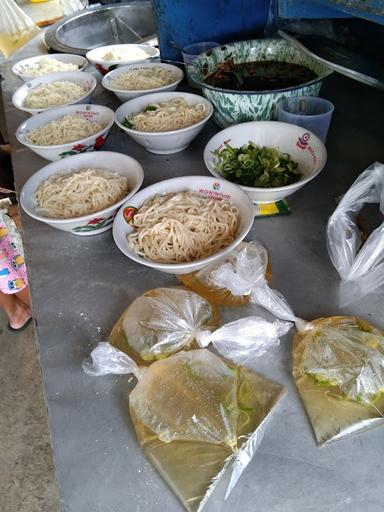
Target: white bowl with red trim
{"x":303,"y":146}
{"x":99,"y":113}
{"x":93,"y":223}
{"x":204,"y":186}
{"x":85,"y":80}
{"x":132,"y":54}
{"x":19,"y":69}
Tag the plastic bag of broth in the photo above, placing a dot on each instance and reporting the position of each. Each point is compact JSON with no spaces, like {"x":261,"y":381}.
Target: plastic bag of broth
{"x":163,"y":321}
{"x":338,"y":366}
{"x":198,"y":418}
{"x":202,"y":282}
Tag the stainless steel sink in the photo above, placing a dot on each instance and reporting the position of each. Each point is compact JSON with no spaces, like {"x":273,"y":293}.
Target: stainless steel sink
{"x":129,"y":22}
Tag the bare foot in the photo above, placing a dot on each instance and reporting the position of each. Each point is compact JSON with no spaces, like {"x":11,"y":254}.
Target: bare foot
{"x":20,"y":315}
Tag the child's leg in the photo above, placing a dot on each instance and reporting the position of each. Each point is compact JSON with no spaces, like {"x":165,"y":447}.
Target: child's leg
{"x":17,"y":312}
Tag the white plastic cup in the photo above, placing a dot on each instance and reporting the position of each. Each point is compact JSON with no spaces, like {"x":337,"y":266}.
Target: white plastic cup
{"x":191,"y":51}
{"x":309,"y":112}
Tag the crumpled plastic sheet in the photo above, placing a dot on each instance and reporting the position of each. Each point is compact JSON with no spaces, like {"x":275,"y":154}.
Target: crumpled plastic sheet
{"x":360,"y":265}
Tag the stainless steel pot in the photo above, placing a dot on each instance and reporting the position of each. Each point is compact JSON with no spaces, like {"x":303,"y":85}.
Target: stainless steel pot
{"x":129,"y":22}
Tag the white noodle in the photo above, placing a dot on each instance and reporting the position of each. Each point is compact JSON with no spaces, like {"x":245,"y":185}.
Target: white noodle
{"x":45,"y":66}
{"x":53,"y":94}
{"x":182,"y":227}
{"x":69,"y":128}
{"x":144,"y":78}
{"x":125,"y":54}
{"x":168,"y":115}
{"x":77,"y":193}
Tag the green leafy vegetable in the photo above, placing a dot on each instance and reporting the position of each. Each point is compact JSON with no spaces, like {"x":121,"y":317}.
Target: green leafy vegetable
{"x":127,"y":123}
{"x":150,"y":108}
{"x":255,"y":166}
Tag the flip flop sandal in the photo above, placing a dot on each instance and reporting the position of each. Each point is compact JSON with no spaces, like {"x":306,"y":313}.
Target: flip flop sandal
{"x":20,"y":329}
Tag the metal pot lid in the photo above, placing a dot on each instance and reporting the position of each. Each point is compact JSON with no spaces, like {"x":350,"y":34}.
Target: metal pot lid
{"x":354,"y":65}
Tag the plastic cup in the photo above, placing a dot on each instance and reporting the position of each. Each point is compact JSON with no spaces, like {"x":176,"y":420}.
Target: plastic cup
{"x":310,"y":112}
{"x":193,"y":50}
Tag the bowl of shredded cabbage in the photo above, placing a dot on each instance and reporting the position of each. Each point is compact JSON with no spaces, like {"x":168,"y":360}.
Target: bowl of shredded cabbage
{"x":54,"y":90}
{"x":41,"y":65}
{"x":182,"y":224}
{"x":66,"y":131}
{"x":128,"y":82}
{"x":268,"y":159}
{"x":81,"y":194}
{"x":164,"y":122}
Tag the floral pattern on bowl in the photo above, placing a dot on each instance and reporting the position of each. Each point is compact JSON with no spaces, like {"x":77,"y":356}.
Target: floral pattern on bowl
{"x":233,"y":107}
{"x":94,"y":224}
{"x":82,"y":148}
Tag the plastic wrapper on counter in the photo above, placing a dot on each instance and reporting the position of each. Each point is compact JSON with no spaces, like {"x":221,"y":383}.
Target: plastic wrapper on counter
{"x":16,"y":28}
{"x":246,"y":275}
{"x":359,"y":264}
{"x":338,"y":366}
{"x":201,"y":281}
{"x":198,"y":419}
{"x":162,"y":321}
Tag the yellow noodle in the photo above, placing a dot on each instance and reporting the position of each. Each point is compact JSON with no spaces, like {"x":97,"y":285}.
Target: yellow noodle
{"x":182,"y":227}
{"x":73,"y":194}
{"x":143,"y":78}
{"x":169,"y":115}
{"x":69,"y":128}
{"x":53,"y":94}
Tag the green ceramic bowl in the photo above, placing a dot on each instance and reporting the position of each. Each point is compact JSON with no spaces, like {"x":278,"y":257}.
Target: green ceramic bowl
{"x":233,"y":107}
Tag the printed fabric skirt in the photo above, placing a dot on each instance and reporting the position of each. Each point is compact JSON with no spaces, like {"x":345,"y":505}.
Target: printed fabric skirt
{"x":13,"y":274}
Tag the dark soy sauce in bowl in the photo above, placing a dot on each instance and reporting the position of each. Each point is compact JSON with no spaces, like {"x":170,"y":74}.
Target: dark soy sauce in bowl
{"x":259,"y":75}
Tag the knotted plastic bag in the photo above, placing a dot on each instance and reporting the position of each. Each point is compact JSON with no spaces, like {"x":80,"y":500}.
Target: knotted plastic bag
{"x":360,"y":265}
{"x":163,"y":321}
{"x":201,"y":281}
{"x":338,"y":365}
{"x":246,"y":275}
{"x":16,"y":28}
{"x":198,"y":418}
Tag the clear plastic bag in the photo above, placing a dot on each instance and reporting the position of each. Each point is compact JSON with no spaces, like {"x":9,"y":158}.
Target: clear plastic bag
{"x":163,"y":321}
{"x":16,"y":28}
{"x":246,"y":275}
{"x":198,"y":418}
{"x":338,"y":366}
{"x":201,"y":281}
{"x":360,"y":265}
{"x":243,"y":340}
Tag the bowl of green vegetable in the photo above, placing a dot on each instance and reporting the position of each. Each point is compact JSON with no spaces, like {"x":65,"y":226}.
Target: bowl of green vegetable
{"x":268,"y":159}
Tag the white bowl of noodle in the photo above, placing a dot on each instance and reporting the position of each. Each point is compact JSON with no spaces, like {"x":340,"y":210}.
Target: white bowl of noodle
{"x":41,"y":65}
{"x":66,"y":131}
{"x":135,"y":80}
{"x":183,"y":224}
{"x":54,"y":90}
{"x":81,"y":194}
{"x":164,"y":122}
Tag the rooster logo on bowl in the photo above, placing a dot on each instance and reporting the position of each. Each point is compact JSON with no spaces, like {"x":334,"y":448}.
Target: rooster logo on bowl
{"x":303,"y":141}
{"x":216,"y":185}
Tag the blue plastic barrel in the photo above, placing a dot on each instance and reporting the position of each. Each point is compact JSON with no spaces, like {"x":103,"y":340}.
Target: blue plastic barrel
{"x":182,"y":22}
